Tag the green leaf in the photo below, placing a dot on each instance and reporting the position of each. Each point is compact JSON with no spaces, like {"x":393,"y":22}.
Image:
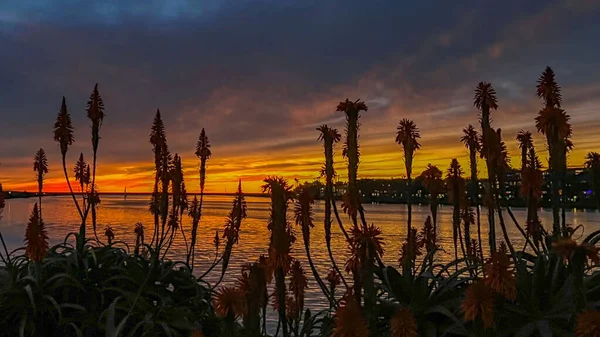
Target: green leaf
{"x":544,"y":328}
{"x":526,"y":330}
{"x":76,"y":329}
{"x":30,"y":294}
{"x":55,"y":304}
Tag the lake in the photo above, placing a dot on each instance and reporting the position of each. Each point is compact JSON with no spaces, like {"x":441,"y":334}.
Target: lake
{"x":61,"y":218}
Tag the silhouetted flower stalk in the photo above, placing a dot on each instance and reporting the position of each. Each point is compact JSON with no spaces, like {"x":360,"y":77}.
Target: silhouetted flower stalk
{"x":479,"y":303}
{"x":366,"y":246}
{"x":297,"y":285}
{"x":553,"y":122}
{"x":229,"y":305}
{"x":471,"y":140}
{"x":95,"y":112}
{"x":352,"y":204}
{"x":82,"y":171}
{"x":194,"y":213}
{"x":239,"y":211}
{"x":333,"y":280}
{"x":36,"y":237}
{"x":485,"y":100}
{"x":178,"y":204}
{"x":531,"y":185}
{"x":410,"y":250}
{"x":349,"y":320}
{"x":158,"y":140}
{"x":63,"y":134}
{"x":499,"y":161}
{"x":432,"y":181}
{"x":281,"y":240}
{"x":407,"y":136}
{"x":40,"y":166}
{"x":403,"y":324}
{"x":456,"y":184}
{"x":428,"y":237}
{"x":253,"y":284}
{"x":467,"y":216}
{"x":304,"y":218}
{"x":204,"y":153}
{"x":110,"y":234}
{"x":139,"y":237}
{"x":330,"y":137}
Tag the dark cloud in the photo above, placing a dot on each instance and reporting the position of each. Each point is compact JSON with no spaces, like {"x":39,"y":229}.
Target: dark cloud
{"x":260,"y":75}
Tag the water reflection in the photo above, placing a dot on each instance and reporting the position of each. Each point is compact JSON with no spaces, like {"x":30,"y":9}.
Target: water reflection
{"x":61,"y":218}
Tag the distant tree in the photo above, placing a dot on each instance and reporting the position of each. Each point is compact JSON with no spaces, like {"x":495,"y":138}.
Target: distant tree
{"x":592,"y":163}
{"x":407,"y":136}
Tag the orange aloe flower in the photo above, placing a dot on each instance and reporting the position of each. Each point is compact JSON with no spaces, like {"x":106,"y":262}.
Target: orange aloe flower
{"x":228,"y":301}
{"x":333,"y":278}
{"x":403,"y":324}
{"x":197,"y":333}
{"x":109,"y":233}
{"x":411,"y":248}
{"x":364,"y":245}
{"x":298,"y":282}
{"x":479,"y":301}
{"x":500,"y":276}
{"x":349,"y":321}
{"x":36,"y":238}
{"x":588,"y":324}
{"x":592,"y":253}
{"x":567,"y":247}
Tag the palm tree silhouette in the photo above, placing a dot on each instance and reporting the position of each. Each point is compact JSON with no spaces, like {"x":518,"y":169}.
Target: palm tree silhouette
{"x":485,"y":100}
{"x":471,"y":140}
{"x":40,"y":165}
{"x":553,"y":122}
{"x":456,"y":184}
{"x":407,"y":136}
{"x":63,"y":134}
{"x":432,"y":181}
{"x":592,"y":163}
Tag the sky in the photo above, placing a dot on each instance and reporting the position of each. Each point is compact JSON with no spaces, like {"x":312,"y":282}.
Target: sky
{"x":260,"y":76}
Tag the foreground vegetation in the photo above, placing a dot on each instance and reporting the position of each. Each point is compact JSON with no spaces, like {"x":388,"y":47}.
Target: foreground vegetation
{"x":94,"y":285}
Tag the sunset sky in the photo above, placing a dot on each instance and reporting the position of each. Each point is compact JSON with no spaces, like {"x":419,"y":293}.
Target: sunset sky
{"x":260,"y":76}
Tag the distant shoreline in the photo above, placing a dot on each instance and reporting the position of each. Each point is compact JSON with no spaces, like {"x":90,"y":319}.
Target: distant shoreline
{"x":365,"y":199}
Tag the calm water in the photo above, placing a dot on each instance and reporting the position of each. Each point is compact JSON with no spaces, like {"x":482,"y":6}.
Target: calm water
{"x":61,"y":218}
